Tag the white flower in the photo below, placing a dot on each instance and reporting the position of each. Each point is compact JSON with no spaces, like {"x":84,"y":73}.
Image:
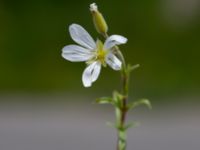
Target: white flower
{"x":93,"y":53}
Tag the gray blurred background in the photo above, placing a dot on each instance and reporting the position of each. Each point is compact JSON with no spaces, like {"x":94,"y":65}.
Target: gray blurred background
{"x":43,"y":104}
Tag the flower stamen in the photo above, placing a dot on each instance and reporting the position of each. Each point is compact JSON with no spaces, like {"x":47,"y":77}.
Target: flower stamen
{"x":101,"y":53}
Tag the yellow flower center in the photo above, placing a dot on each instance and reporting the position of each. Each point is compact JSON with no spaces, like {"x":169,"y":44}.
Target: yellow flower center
{"x":101,"y":53}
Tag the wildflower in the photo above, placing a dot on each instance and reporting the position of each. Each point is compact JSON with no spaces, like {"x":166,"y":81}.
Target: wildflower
{"x":95,"y":54}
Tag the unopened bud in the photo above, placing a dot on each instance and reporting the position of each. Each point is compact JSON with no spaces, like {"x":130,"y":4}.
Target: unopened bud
{"x":98,"y":19}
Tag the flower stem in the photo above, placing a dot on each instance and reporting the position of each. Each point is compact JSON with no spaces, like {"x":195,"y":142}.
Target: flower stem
{"x":121,"y":131}
{"x":121,"y":144}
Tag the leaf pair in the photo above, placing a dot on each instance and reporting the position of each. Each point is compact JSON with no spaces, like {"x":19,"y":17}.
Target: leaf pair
{"x":116,"y":100}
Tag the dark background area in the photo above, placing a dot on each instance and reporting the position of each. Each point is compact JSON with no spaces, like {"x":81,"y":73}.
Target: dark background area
{"x":164,"y":38}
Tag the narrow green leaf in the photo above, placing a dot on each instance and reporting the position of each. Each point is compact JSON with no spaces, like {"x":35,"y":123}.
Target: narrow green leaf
{"x":131,"y":68}
{"x":145,"y":102}
{"x":140,"y":102}
{"x":131,"y":125}
{"x":104,"y":100}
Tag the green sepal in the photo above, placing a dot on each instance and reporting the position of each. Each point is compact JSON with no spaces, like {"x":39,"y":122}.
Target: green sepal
{"x":138,"y":103}
{"x":104,"y":100}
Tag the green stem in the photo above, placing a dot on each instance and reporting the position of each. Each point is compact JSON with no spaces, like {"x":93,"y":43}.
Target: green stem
{"x":121,"y":144}
{"x":121,"y":132}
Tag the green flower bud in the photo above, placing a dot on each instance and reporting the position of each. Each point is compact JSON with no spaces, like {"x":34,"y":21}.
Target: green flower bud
{"x":98,"y":19}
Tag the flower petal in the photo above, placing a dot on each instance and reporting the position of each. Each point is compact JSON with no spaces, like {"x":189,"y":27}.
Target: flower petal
{"x":81,"y":36}
{"x":114,"y":40}
{"x":113,"y":62}
{"x":76,"y":53}
{"x":91,"y":73}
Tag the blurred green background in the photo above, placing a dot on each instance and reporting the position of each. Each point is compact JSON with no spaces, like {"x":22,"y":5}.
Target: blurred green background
{"x":43,"y":104}
{"x":164,"y":38}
